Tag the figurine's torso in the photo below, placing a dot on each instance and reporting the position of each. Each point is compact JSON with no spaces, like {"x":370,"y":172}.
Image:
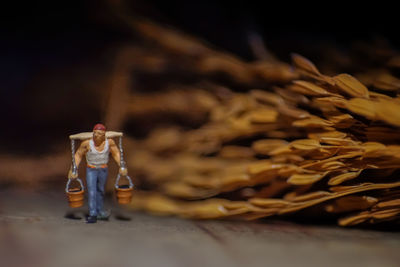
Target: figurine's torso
{"x":95,"y":157}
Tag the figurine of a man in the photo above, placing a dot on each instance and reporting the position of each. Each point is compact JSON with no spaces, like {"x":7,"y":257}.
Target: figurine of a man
{"x":97,"y":150}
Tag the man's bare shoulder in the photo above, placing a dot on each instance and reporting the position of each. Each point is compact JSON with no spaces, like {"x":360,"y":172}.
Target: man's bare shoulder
{"x":111,"y":142}
{"x":85,"y":143}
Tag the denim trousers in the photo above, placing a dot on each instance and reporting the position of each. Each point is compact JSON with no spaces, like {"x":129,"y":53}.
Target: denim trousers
{"x":96,"y":180}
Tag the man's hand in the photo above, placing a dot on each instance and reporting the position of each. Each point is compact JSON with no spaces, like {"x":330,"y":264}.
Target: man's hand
{"x":123,"y":171}
{"x":72,"y":175}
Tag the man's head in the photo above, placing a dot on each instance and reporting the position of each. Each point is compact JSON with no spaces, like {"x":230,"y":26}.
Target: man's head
{"x":99,"y":132}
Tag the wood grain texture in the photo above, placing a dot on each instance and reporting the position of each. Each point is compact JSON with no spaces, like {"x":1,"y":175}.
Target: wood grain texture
{"x":34,"y":232}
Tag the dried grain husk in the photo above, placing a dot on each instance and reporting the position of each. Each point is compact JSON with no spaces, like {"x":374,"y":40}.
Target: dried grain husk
{"x":330,"y":134}
{"x":370,"y":217}
{"x":388,"y":111}
{"x":267,"y":97}
{"x":313,"y":122}
{"x":307,"y":197}
{"x":262,"y":115}
{"x":304,"y":179}
{"x":351,"y":203}
{"x":351,"y":86}
{"x":354,"y":219}
{"x":337,"y":141}
{"x":342,"y":121}
{"x":363,"y":107}
{"x":388,"y":204}
{"x":332,"y":165}
{"x":155,"y":203}
{"x":348,"y":191}
{"x":336,"y":101}
{"x":292,"y":112}
{"x":385,"y":214}
{"x":305,"y":144}
{"x":290,"y":97}
{"x":185,"y":191}
{"x":268,"y":203}
{"x":280,"y":149}
{"x":309,"y":88}
{"x":343,"y":177}
{"x":206,"y":210}
{"x":385,"y":81}
{"x":305,"y":64}
{"x":273,"y":71}
{"x":264,"y":146}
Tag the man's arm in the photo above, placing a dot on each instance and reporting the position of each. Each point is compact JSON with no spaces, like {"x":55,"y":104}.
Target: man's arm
{"x":115,"y":152}
{"x":117,"y":156}
{"x":83,"y":148}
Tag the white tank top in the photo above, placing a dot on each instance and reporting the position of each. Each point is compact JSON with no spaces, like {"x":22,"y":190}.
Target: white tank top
{"x":96,"y":158}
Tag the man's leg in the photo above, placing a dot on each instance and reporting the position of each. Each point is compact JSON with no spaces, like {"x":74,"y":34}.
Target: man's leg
{"x":91,"y":180}
{"x":101,"y":182}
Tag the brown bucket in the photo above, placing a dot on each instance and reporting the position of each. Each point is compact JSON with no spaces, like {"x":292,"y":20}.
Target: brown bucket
{"x":75,"y":195}
{"x":124,"y":192}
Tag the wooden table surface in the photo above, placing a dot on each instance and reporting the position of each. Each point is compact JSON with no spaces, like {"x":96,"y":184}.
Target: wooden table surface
{"x":35,"y":232}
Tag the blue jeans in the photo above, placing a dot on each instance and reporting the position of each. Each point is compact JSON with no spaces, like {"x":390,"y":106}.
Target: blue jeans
{"x":96,"y":180}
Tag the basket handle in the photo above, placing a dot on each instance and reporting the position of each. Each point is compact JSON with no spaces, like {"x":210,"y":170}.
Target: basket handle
{"x":69,"y":182}
{"x":119,"y":177}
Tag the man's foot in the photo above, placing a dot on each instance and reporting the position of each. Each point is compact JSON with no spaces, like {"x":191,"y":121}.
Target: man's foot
{"x":103,"y":215}
{"x":91,"y":219}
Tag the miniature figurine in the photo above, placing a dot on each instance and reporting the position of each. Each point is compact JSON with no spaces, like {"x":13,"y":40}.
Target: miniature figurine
{"x":97,"y":150}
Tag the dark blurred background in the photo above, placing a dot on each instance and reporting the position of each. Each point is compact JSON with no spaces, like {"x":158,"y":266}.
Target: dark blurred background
{"x":50,"y":49}
{"x":56,"y":62}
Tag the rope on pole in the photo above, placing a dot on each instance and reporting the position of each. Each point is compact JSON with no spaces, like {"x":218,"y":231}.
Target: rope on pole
{"x":123,"y":165}
{"x":121,"y":151}
{"x":74,"y":168}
